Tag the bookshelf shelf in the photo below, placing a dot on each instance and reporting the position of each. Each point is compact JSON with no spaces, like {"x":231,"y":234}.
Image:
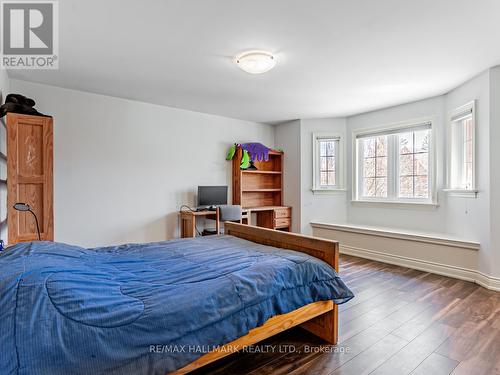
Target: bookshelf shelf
{"x":260,"y":172}
{"x":260,"y":190}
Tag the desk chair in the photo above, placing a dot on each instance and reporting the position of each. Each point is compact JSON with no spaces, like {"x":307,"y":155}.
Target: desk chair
{"x":227,"y":212}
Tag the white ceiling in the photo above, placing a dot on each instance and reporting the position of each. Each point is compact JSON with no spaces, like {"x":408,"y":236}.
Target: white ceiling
{"x":335,"y":57}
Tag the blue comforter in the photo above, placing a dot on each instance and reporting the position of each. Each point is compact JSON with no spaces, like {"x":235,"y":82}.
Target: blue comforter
{"x":145,"y":309}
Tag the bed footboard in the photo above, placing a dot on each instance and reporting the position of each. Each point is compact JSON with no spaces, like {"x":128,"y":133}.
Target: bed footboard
{"x":270,"y":328}
{"x":325,"y":325}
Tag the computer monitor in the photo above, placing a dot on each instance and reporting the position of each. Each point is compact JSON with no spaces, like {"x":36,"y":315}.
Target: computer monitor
{"x":212,"y":195}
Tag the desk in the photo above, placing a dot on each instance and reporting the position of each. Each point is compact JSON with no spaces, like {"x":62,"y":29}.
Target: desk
{"x":272,"y":217}
{"x":188,"y":221}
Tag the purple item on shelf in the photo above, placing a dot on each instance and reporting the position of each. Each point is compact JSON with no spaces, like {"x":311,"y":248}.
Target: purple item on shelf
{"x":256,"y":151}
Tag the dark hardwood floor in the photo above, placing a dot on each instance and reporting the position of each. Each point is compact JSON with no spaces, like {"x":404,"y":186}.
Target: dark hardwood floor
{"x":401,"y":321}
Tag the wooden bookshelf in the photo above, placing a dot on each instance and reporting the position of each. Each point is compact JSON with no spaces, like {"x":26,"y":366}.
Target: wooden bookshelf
{"x":261,"y":187}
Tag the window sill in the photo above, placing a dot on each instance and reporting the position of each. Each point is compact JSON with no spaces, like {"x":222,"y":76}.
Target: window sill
{"x":395,"y":204}
{"x":328,"y":191}
{"x":461,"y":193}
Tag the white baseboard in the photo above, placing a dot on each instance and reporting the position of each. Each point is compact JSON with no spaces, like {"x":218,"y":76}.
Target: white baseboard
{"x":492,"y":283}
{"x":489,"y":282}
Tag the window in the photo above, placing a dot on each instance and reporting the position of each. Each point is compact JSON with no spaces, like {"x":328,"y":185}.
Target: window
{"x":461,"y":149}
{"x":327,"y":158}
{"x":395,"y":164}
{"x":414,"y":164}
{"x":327,"y":162}
{"x":375,"y":167}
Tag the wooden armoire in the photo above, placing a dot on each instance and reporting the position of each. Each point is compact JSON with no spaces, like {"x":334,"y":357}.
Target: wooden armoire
{"x":29,"y":176}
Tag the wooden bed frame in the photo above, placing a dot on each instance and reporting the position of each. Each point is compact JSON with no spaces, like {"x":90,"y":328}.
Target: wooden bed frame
{"x":320,"y":318}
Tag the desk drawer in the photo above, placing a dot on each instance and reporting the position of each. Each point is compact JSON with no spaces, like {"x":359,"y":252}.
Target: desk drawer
{"x":282,"y":213}
{"x":282,"y":223}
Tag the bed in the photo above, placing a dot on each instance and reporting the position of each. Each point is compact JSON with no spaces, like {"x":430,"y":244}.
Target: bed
{"x":167,"y":307}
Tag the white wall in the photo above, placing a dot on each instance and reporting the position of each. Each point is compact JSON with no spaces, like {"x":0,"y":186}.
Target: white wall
{"x":495,"y":170}
{"x":287,"y":138}
{"x":4,"y":91}
{"x":469,"y":217}
{"x":123,"y":168}
{"x":295,"y":137}
{"x":4,"y":85}
{"x":466,"y":218}
{"x":319,"y":207}
{"x":473,"y":219}
{"x":429,"y":219}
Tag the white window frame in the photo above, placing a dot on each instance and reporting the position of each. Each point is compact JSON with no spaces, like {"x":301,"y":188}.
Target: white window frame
{"x":393,"y":164}
{"x":339,"y":163}
{"x":468,"y":109}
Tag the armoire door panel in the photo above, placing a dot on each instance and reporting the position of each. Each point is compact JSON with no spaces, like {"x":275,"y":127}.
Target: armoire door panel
{"x":30,"y":176}
{"x":30,"y":149}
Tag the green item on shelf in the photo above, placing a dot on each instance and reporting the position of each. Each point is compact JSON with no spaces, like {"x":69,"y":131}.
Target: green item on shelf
{"x":231,"y":152}
{"x":245,"y":160}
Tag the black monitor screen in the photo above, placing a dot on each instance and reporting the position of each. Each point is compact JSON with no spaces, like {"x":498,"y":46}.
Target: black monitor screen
{"x":212,"y":195}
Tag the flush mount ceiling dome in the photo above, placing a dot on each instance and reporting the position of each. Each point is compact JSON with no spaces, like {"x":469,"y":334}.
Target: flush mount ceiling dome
{"x":255,"y":62}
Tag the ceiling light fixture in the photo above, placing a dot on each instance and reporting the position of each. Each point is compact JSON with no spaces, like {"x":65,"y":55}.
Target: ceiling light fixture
{"x":255,"y":62}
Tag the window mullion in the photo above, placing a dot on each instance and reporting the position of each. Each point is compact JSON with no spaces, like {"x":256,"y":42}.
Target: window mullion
{"x":392,"y":167}
{"x":414,"y":169}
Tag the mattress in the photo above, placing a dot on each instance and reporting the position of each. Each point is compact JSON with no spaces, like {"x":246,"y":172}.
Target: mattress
{"x":145,"y":308}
